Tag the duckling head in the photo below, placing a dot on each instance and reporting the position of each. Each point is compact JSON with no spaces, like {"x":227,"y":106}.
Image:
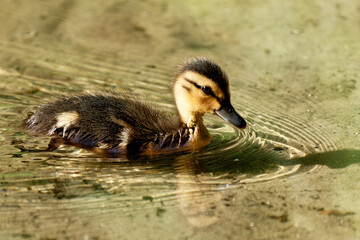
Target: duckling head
{"x":202,"y":87}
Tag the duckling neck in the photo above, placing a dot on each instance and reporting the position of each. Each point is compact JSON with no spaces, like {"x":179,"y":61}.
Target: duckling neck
{"x":199,"y":135}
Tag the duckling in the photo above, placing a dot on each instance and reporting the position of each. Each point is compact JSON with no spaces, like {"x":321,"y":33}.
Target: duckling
{"x":113,"y":124}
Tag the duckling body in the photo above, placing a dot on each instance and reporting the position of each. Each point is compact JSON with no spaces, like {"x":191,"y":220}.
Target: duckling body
{"x":112,"y":123}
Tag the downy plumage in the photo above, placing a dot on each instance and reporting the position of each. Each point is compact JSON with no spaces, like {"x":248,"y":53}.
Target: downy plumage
{"x":114,"y":123}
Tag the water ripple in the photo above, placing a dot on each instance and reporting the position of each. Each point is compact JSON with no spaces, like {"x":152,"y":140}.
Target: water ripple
{"x":269,"y":148}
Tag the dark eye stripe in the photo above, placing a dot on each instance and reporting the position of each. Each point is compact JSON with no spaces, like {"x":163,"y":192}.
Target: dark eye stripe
{"x":186,"y":88}
{"x":211,"y":93}
{"x":194,"y":83}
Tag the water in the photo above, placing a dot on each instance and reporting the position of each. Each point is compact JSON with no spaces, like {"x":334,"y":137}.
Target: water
{"x":291,"y":174}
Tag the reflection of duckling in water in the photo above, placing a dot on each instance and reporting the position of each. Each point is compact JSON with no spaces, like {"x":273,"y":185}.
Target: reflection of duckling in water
{"x":111,"y":124}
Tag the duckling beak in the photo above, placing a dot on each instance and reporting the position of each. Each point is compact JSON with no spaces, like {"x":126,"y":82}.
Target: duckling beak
{"x":228,"y":113}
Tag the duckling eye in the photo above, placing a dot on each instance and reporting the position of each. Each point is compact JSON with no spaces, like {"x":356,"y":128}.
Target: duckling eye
{"x":206,"y":89}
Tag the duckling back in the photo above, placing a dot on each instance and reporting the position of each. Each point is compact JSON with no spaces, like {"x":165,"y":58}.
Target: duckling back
{"x":110,"y":124}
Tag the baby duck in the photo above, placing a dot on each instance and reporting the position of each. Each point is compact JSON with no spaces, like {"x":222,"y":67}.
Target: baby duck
{"x":113,"y":124}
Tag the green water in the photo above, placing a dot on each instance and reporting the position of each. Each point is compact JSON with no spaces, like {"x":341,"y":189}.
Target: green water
{"x":294,"y":73}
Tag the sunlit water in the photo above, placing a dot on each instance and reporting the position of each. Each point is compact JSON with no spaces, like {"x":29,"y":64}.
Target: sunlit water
{"x":264,"y":151}
{"x":73,"y":190}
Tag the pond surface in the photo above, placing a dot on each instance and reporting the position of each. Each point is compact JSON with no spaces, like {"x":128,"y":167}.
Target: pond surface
{"x":294,"y":76}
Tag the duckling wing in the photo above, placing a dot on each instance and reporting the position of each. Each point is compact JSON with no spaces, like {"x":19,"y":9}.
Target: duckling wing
{"x":103,"y":120}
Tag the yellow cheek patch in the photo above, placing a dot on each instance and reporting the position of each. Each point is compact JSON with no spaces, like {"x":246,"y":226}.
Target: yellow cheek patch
{"x":208,"y":105}
{"x":214,"y":104}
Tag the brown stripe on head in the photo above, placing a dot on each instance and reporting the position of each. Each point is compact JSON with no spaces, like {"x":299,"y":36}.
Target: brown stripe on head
{"x":186,"y":88}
